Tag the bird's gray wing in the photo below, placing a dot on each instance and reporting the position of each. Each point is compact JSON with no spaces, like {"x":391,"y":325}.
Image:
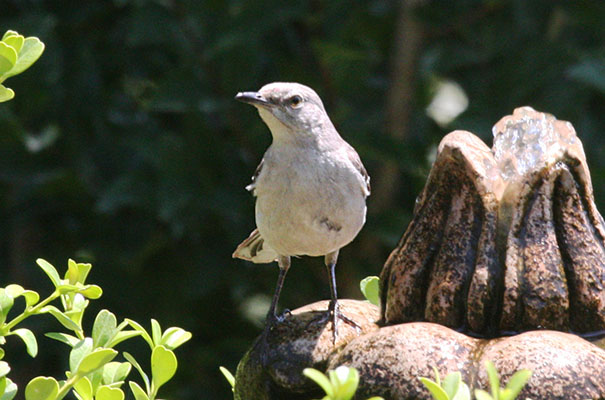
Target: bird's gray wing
{"x":356,"y":161}
{"x":252,"y":186}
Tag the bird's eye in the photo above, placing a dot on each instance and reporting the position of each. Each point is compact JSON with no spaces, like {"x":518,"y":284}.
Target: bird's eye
{"x":295,"y":101}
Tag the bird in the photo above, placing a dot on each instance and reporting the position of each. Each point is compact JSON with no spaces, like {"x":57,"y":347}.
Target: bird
{"x":310,"y":189}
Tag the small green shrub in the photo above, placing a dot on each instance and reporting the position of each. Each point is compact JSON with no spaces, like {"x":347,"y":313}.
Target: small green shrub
{"x":17,"y":53}
{"x":452,"y":387}
{"x":93,"y":374}
{"x":339,"y":384}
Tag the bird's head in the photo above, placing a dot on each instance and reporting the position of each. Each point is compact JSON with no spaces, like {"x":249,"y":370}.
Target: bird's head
{"x":288,"y":109}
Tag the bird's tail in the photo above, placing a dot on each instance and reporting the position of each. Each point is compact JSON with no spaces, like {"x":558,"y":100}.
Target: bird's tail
{"x":254,"y":249}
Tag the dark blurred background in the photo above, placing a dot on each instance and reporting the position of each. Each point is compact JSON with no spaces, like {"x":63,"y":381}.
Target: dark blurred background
{"x":124,"y":147}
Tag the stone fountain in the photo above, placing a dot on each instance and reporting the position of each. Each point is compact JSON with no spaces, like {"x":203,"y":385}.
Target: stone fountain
{"x":504,"y":260}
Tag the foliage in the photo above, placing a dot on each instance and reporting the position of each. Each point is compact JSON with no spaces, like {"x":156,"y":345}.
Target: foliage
{"x":452,"y":387}
{"x":340,"y":383}
{"x":513,"y":387}
{"x":92,"y":372}
{"x":229,"y":377}
{"x":370,"y":287}
{"x":17,"y":53}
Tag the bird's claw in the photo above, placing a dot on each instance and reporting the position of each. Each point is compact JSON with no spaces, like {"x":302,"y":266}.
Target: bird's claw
{"x":333,"y":314}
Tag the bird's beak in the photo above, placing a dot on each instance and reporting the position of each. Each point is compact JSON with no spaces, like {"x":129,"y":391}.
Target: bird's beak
{"x":254,"y":98}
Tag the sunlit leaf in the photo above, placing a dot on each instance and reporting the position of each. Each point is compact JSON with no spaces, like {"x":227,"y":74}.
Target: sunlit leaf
{"x":42,"y":388}
{"x":436,"y":391}
{"x":116,"y":372}
{"x":135,"y":363}
{"x":370,"y":287}
{"x":109,"y":393}
{"x":31,"y":50}
{"x":104,"y":328}
{"x":84,"y":388}
{"x":10,"y":391}
{"x":163,"y":365}
{"x":95,"y":360}
{"x":174,"y":337}
{"x":79,"y":351}
{"x":29,"y":339}
{"x":319,"y":378}
{"x":139,"y":394}
{"x":63,"y":337}
{"x":4,"y":369}
{"x":50,"y":271}
{"x":6,"y":93}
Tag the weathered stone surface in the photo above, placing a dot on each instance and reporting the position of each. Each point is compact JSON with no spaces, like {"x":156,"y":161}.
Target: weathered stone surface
{"x":564,"y":366}
{"x":503,"y":244}
{"x":274,"y":371}
{"x":444,"y":269}
{"x":391,"y":359}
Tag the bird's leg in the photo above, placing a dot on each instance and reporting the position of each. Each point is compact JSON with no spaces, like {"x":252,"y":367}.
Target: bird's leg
{"x":272,"y":318}
{"x":333,"y":309}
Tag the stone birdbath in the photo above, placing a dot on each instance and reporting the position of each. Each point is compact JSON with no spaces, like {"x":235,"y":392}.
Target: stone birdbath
{"x":504,"y":260}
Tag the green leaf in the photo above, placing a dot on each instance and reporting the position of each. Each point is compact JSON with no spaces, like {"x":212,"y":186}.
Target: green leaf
{"x":91,"y":291}
{"x":163,"y":366}
{"x":345,"y":381}
{"x":3,"y":383}
{"x":1,"y":353}
{"x":517,"y":382}
{"x":436,"y":391}
{"x":50,"y":271}
{"x":84,"y":388}
{"x":321,"y":379}
{"x":228,"y":375}
{"x":114,"y":372}
{"x":463,"y":392}
{"x":95,"y":360}
{"x":109,"y":393}
{"x":10,"y":391}
{"x":4,"y":369}
{"x":104,"y":328}
{"x":73,"y":273}
{"x":79,"y":351}
{"x":61,"y":317}
{"x":494,"y":380}
{"x":9,"y":33}
{"x":121,"y":336}
{"x":32,"y":50}
{"x":29,"y":339}
{"x":30,"y":296}
{"x":370,"y":287}
{"x":482,"y":395}
{"x":6,"y":93}
{"x":14,"y":290}
{"x":14,"y":41}
{"x":451,"y":383}
{"x":139,"y":394}
{"x":69,"y":340}
{"x":134,"y":362}
{"x":140,"y":328}
{"x":156,"y":332}
{"x":8,"y":58}
{"x":42,"y":388}
{"x":6,"y":303}
{"x":174,"y":337}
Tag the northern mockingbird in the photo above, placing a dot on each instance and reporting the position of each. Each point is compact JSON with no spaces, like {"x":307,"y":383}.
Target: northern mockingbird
{"x":310,"y":188}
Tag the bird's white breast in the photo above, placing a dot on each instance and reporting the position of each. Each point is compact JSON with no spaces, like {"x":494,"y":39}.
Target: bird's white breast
{"x":309,"y":202}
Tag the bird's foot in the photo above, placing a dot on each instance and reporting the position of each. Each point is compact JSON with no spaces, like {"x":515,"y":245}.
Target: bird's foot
{"x":333,"y":314}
